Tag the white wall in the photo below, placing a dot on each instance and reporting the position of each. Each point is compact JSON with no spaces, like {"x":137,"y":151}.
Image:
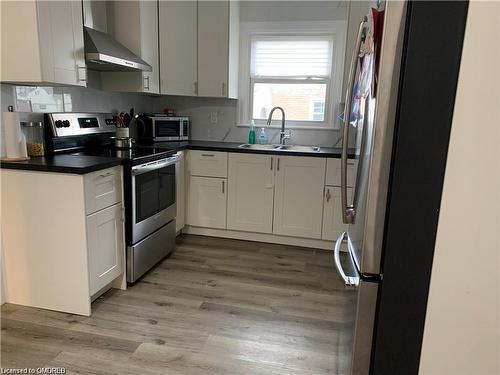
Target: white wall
{"x":462,"y":329}
{"x":287,"y":11}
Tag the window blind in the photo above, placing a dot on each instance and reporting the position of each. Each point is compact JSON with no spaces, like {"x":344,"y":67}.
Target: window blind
{"x":294,"y":58}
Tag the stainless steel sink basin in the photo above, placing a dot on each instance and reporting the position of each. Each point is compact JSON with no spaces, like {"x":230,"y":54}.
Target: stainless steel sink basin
{"x":293,"y":148}
{"x":297,"y":148}
{"x":259,"y":147}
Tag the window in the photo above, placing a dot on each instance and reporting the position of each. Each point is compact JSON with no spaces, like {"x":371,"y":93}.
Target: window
{"x":290,"y":72}
{"x":42,"y":99}
{"x":318,"y":109}
{"x":295,"y":65}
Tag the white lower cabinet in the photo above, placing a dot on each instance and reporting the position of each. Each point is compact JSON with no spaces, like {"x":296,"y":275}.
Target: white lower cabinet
{"x":180,"y":187}
{"x":105,"y":243}
{"x":333,"y":225}
{"x":298,"y":196}
{"x":250,"y":192}
{"x":207,"y":202}
{"x":71,"y":221}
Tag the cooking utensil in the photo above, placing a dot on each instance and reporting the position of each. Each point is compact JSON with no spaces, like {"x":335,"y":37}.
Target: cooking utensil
{"x":122,"y":142}
{"x":126,"y":119}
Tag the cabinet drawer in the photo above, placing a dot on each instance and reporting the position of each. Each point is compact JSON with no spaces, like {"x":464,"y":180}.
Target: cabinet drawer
{"x":102,"y":189}
{"x":333,"y":172}
{"x":207,"y":163}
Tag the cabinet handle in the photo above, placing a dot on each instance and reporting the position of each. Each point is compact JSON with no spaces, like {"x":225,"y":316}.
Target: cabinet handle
{"x":196,"y":87}
{"x":209,"y":155}
{"x":328,"y":196}
{"x":223,"y":186}
{"x":278,"y":166}
{"x":272,"y":163}
{"x":105,"y":175}
{"x":223,"y":89}
{"x":81,"y":78}
{"x":146,"y":79}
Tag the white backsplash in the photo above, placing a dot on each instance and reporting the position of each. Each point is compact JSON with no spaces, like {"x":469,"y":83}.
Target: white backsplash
{"x":200,"y":110}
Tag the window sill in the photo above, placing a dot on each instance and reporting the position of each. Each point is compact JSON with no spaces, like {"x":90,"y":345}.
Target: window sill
{"x":297,"y":127}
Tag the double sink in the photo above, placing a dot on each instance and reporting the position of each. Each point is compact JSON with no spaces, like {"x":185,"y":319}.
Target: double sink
{"x":293,"y":148}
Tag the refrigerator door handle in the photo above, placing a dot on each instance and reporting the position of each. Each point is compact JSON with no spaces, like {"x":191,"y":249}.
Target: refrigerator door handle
{"x":349,"y":281}
{"x":348,"y":211}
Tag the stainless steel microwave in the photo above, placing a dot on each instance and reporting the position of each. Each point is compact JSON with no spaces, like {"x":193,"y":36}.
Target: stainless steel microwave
{"x":164,"y":128}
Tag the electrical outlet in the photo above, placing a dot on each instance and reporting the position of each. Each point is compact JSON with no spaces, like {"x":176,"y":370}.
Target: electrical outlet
{"x":213,"y":118}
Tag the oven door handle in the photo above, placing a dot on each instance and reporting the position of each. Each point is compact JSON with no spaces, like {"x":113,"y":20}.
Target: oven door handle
{"x":148,"y":167}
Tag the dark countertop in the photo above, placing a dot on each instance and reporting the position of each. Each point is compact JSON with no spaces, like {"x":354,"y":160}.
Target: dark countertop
{"x":324,"y":152}
{"x":81,"y":164}
{"x":77,"y":164}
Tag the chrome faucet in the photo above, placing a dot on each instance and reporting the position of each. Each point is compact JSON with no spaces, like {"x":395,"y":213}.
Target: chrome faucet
{"x":283,"y":135}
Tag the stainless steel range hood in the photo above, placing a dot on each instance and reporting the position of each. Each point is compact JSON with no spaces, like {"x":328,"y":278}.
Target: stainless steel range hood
{"x":102,"y":51}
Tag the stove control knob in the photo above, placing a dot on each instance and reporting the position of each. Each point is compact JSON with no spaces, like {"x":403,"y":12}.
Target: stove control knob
{"x":66,"y":123}
{"x":59,"y":124}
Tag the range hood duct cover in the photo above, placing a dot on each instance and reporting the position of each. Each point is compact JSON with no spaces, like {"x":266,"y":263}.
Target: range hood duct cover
{"x":104,"y":53}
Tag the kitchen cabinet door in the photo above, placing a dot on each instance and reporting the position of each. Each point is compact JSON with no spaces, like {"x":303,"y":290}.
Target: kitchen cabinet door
{"x":68,"y":57}
{"x":333,"y":225}
{"x":180,"y":186}
{"x":135,"y":25}
{"x":105,"y":244}
{"x":178,"y":47}
{"x":207,"y":202}
{"x":250,"y":192}
{"x":298,"y":196}
{"x":48,"y":48}
{"x":218,"y":45}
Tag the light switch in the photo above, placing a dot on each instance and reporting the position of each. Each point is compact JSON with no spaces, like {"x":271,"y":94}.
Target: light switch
{"x":213,"y":118}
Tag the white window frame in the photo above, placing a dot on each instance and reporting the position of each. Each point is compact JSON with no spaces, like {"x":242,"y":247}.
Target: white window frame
{"x":335,"y":30}
{"x":313,"y":102}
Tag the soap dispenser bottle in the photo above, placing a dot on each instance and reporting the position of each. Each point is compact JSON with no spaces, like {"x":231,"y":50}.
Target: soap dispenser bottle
{"x":263,"y":137}
{"x":251,"y":133}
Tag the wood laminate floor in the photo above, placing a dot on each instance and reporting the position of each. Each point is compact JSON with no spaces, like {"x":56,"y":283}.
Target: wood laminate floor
{"x":215,"y":306}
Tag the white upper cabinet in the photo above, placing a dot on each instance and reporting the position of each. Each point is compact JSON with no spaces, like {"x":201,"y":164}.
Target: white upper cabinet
{"x":218,"y":41}
{"x":178,"y":47}
{"x":42,"y":42}
{"x":135,"y":25}
{"x":250,"y":192}
{"x":298,"y":196}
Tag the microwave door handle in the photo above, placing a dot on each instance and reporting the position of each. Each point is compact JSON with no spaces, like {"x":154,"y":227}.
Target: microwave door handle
{"x":347,"y":212}
{"x":349,"y":281}
{"x":140,"y":169}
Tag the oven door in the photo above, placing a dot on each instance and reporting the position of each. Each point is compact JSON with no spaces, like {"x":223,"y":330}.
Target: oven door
{"x":153,"y":196}
{"x":166,"y":128}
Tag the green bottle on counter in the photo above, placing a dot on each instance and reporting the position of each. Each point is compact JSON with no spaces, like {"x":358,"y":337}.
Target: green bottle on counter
{"x":251,"y":133}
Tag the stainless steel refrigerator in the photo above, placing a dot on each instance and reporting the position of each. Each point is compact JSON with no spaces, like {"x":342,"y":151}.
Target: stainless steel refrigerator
{"x":369,"y":116}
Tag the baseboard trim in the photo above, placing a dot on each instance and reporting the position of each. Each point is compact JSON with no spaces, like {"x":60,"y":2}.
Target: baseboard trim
{"x":259,"y":237}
